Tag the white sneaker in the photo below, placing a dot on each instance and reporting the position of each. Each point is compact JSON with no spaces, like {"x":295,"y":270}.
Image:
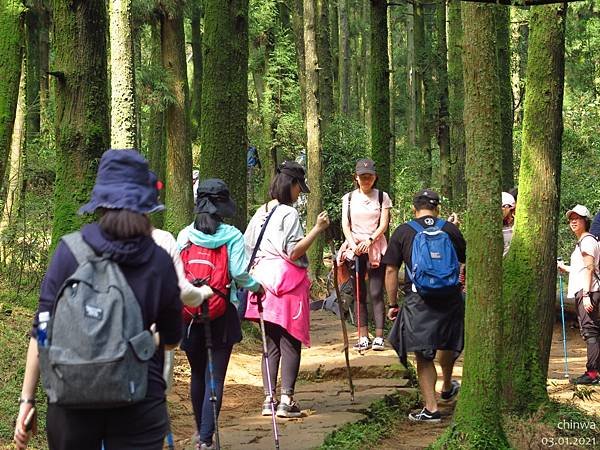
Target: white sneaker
{"x":378,"y":344}
{"x":362,"y":344}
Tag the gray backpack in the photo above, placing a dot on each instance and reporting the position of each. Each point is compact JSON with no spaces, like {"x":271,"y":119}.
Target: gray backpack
{"x":97,"y":350}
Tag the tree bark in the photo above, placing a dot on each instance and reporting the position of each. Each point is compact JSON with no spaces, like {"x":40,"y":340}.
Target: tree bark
{"x":477,"y":419}
{"x":313,"y":124}
{"x":411,"y":80}
{"x":344,"y":58}
{"x":529,"y":269}
{"x":334,"y":41}
{"x":456,"y":100}
{"x":179,"y":197}
{"x":32,"y":51}
{"x":421,"y":62}
{"x":197,"y":62}
{"x":325,"y":72}
{"x":225,"y":98}
{"x":82,"y":116}
{"x":520,"y":38}
{"x":297,"y":8}
{"x":502,"y":23}
{"x":44,"y":67}
{"x":392,"y":95}
{"x":123,"y":123}
{"x":11,"y":49}
{"x":443,"y":122}
{"x":379,"y":94}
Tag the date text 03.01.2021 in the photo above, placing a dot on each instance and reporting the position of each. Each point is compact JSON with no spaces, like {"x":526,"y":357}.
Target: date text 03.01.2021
{"x":569,"y":440}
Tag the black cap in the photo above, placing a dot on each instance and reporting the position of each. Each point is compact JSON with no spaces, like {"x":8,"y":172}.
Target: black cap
{"x":296,"y":171}
{"x":364,"y":166}
{"x":212,"y":197}
{"x":429,"y":195}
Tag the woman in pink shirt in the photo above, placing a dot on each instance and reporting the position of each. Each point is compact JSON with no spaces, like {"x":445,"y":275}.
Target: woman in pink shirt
{"x":365,"y":219}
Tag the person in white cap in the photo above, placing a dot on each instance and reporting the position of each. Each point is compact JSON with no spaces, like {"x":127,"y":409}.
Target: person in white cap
{"x":585,"y":287}
{"x":508,"y":219}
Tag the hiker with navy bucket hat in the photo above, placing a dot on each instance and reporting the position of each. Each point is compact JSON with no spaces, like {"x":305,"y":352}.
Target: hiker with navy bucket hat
{"x":120,"y":241}
{"x":208,"y":343}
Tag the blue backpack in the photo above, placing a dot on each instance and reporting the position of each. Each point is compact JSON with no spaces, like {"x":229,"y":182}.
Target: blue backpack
{"x":435,"y":266}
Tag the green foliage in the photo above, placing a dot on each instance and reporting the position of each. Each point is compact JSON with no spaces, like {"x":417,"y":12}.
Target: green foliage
{"x":381,"y":415}
{"x":344,"y":142}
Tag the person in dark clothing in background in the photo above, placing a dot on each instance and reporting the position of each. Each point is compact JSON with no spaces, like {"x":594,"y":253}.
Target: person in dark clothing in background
{"x":425,"y":327}
{"x":123,"y":197}
{"x":595,"y":228}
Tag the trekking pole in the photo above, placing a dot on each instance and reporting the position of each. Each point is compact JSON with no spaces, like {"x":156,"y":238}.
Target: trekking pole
{"x":562,"y":314}
{"x":168,"y":377}
{"x":357,"y":283}
{"x":211,"y":371}
{"x":263,"y":335}
{"x":342,"y":316}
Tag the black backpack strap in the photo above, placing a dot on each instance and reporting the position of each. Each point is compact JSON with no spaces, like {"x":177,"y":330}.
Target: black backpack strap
{"x":380,"y":207}
{"x":78,"y":247}
{"x":260,"y":236}
{"x":595,"y":271}
{"x":349,"y":202}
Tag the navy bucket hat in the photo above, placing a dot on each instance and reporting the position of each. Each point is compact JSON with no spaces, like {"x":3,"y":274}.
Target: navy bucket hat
{"x":123,"y":182}
{"x":212,"y":197}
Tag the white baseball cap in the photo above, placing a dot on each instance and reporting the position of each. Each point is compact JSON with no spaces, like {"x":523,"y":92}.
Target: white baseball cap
{"x":580,"y":210}
{"x":508,"y":199}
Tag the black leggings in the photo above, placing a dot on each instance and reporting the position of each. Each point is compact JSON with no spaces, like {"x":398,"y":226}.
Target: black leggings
{"x":589,"y":326}
{"x":376,"y":280}
{"x":281,"y":346}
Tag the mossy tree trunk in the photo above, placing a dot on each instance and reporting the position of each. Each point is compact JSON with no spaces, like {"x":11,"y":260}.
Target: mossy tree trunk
{"x":379,"y":93}
{"x":196,"y":28}
{"x":334,"y":41}
{"x":82,"y":117}
{"x":344,"y":58}
{"x":11,"y":49}
{"x":456,"y":100}
{"x":420,"y":66}
{"x":179,"y":197}
{"x":326,"y":103}
{"x":225,"y":98}
{"x":33,"y":26}
{"x":313,"y":124}
{"x":443,"y":119}
{"x":391,"y":20}
{"x":44,"y":23}
{"x":529,"y":268}
{"x":478,"y":423}
{"x":123,"y":123}
{"x":502,"y":23}
{"x":411,"y":80}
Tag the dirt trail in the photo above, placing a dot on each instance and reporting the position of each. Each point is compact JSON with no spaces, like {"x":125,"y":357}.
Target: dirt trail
{"x":322,"y":393}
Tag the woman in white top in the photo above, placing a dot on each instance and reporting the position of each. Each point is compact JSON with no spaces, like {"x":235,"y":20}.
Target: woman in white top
{"x":584,"y":286}
{"x":365,"y":219}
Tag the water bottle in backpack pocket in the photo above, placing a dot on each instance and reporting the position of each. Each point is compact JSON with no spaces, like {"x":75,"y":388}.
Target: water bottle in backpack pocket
{"x":435,"y":267}
{"x":207,"y":266}
{"x":97,"y":350}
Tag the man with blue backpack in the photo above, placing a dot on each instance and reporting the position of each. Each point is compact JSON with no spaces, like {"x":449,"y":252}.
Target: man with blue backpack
{"x":431,"y":319}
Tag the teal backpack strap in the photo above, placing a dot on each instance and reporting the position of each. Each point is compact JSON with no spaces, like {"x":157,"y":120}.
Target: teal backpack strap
{"x":80,"y":249}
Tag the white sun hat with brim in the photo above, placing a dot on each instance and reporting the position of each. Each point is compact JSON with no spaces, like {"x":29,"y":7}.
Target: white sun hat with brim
{"x":580,"y":210}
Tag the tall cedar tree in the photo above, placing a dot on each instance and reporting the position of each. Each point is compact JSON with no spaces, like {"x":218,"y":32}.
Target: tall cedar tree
{"x":179,"y":197}
{"x":420,"y":66}
{"x":529,"y":268}
{"x":443,"y":128}
{"x":123,"y":125}
{"x":33,"y":22}
{"x":344,"y":58}
{"x":82,"y":118}
{"x":196,"y":28}
{"x":478,"y":423}
{"x":456,"y":95}
{"x":11,"y":49}
{"x":502,"y":23}
{"x":225,"y":98}
{"x":379,"y":93}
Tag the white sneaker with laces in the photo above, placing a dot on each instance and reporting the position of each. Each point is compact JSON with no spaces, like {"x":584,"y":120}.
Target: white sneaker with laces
{"x":362,"y":344}
{"x":378,"y":344}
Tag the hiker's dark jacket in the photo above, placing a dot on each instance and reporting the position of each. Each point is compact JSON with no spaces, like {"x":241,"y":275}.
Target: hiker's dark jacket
{"x":150,"y":273}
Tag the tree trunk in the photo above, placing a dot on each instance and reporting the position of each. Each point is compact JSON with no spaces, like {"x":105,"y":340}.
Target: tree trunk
{"x":344,"y":58}
{"x":179,"y":197}
{"x":392,"y":93}
{"x":156,"y":131}
{"x":443,"y":131}
{"x":32,"y":51}
{"x":313,"y":125}
{"x":520,"y":38}
{"x":197,"y":78}
{"x":365,"y":52}
{"x":11,"y":49}
{"x":82,"y":116}
{"x":379,"y":93}
{"x":477,"y":419}
{"x":411,"y":80}
{"x":456,"y":100}
{"x":14,"y":180}
{"x":334,"y":40}
{"x":225,"y":98}
{"x":502,"y":23}
{"x":45,"y":114}
{"x":297,"y":8}
{"x":421,"y":63}
{"x":326,"y":104}
{"x":123,"y":124}
{"x":530,"y":269}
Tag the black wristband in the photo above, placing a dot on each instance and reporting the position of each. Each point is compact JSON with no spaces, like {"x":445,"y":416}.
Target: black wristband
{"x":27,"y":400}
{"x":393,"y":306}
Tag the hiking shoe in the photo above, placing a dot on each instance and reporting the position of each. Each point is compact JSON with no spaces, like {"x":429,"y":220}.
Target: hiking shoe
{"x":362,"y":344}
{"x":586,"y":378}
{"x":378,"y":344}
{"x":425,"y":416}
{"x":453,"y":392}
{"x":266,"y":407}
{"x":205,"y":446}
{"x":289,"y":411}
